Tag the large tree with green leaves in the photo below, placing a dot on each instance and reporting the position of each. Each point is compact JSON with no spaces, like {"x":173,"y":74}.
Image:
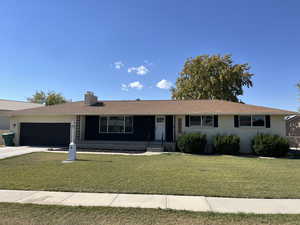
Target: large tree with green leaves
{"x":51,"y":98}
{"x":212,"y":77}
{"x":298,"y":86}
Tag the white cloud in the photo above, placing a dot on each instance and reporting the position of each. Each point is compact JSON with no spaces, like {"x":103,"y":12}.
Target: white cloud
{"x":136,"y":84}
{"x":118,"y":65}
{"x":124,"y":87}
{"x":140,"y":70}
{"x":164,"y":84}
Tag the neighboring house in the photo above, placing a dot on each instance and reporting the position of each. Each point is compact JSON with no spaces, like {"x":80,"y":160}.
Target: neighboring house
{"x":143,"y":122}
{"x":293,"y":130}
{"x":10,"y":105}
{"x":293,"y":126}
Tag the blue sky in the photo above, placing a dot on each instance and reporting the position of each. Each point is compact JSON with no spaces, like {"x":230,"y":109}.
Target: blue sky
{"x":122,"y":49}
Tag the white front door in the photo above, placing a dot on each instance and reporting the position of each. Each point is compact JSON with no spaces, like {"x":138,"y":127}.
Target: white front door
{"x":159,"y":128}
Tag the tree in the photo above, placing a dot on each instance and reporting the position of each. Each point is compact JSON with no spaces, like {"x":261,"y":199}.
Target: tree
{"x":51,"y":98}
{"x":212,"y":77}
{"x":298,"y":85}
{"x":39,"y":97}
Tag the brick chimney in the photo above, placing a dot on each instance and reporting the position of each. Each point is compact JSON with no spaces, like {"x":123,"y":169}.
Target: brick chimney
{"x":90,"y":98}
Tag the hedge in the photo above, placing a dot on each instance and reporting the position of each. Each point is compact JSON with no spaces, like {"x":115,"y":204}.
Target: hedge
{"x":270,"y":145}
{"x":192,"y":143}
{"x":226,"y":144}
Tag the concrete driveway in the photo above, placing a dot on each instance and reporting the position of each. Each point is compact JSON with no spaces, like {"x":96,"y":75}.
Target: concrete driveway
{"x":6,"y":152}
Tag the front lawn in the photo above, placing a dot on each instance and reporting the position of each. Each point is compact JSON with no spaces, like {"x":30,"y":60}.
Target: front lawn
{"x":180,"y":174}
{"x":16,"y":214}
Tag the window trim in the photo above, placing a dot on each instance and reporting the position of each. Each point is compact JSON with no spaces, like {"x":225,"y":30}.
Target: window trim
{"x":201,"y":123}
{"x":251,"y":125}
{"x":124,"y":125}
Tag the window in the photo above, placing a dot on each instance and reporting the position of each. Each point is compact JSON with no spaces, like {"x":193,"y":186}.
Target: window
{"x":252,"y":121}
{"x":116,"y":124}
{"x":195,"y":120}
{"x":103,"y":124}
{"x":204,"y":121}
{"x":207,"y":121}
{"x":128,"y":124}
{"x":245,"y":121}
{"x":160,"y":119}
{"x":258,"y":121}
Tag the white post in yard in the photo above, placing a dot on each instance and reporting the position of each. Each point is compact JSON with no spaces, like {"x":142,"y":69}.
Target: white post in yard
{"x":72,"y":146}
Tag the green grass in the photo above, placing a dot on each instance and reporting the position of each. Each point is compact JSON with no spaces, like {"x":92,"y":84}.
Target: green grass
{"x":160,"y":174}
{"x":17,"y":214}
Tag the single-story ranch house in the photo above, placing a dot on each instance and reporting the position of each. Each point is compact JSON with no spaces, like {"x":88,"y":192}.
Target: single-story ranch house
{"x":142,"y":123}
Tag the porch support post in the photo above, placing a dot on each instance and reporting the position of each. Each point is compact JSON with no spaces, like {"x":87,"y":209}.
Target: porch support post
{"x":82,"y":128}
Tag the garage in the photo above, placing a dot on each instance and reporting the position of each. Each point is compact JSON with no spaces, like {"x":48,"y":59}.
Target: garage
{"x":45,"y":134}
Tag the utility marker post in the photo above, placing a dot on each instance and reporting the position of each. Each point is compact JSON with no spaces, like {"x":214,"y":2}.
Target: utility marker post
{"x":72,"y":146}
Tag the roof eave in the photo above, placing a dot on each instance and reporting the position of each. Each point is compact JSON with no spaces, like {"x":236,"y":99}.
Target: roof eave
{"x":12,"y":114}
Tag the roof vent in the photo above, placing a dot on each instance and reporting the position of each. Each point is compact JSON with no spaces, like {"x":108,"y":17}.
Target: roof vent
{"x":90,"y":99}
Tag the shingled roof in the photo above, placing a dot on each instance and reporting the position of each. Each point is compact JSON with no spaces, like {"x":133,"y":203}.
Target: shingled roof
{"x":8,"y":105}
{"x":153,"y":107}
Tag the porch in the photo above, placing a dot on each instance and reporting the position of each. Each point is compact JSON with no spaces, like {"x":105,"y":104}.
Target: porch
{"x":125,"y":133}
{"x":139,"y":146}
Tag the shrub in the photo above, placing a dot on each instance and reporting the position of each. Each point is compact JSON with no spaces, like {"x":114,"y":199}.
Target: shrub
{"x":226,"y":144}
{"x":192,"y":143}
{"x":270,"y":145}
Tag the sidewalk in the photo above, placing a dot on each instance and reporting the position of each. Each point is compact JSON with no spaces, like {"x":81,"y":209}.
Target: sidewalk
{"x":190,"y":203}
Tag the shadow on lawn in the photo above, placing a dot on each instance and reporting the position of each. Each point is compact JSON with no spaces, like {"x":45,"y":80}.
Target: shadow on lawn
{"x":90,"y":160}
{"x":84,"y":160}
{"x":292,"y":154}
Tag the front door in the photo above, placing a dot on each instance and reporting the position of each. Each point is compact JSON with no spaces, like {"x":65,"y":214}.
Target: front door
{"x":160,"y":128}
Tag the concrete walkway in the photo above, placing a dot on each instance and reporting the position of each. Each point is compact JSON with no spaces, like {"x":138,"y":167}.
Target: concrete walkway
{"x":112,"y":153}
{"x":7,"y":152}
{"x":190,"y":203}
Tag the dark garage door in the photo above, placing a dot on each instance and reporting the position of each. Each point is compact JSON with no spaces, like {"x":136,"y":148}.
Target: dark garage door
{"x":45,"y":134}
